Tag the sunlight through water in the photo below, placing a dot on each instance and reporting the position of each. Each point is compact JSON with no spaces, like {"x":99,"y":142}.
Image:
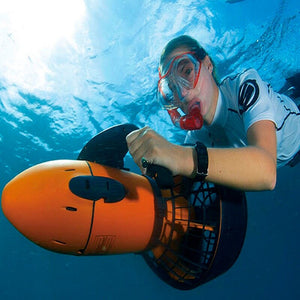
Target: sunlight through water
{"x":34,"y":29}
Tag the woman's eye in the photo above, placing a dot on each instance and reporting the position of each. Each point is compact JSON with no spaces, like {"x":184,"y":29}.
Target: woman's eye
{"x":188,"y":71}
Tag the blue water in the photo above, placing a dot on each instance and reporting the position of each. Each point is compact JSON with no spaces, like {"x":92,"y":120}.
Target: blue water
{"x":69,"y":69}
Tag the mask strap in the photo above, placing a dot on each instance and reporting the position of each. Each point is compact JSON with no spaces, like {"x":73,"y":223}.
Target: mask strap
{"x":192,"y":121}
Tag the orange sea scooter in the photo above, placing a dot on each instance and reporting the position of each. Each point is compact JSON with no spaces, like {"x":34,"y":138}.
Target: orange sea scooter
{"x":188,"y":232}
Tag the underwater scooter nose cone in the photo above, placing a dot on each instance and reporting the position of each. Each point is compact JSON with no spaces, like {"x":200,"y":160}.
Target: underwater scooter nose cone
{"x":40,"y":205}
{"x":84,"y":208}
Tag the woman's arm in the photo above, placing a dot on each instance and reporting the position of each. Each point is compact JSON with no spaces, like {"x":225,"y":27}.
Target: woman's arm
{"x":248,"y":168}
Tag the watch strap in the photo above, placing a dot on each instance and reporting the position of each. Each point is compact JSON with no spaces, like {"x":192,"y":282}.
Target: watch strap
{"x":202,"y":161}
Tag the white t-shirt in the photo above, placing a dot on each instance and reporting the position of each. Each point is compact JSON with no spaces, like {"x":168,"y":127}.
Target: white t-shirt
{"x":243,"y":100}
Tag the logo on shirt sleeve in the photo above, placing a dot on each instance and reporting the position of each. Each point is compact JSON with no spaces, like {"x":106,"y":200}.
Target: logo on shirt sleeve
{"x":248,"y":94}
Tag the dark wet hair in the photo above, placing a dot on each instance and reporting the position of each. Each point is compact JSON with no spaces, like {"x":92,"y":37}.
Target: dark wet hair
{"x":185,"y":41}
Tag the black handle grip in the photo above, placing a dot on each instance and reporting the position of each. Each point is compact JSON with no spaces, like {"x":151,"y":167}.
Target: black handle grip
{"x":109,"y":147}
{"x":162,"y":175}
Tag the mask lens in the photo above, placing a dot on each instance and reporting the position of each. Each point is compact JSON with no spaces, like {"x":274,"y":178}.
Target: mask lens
{"x":165,"y":94}
{"x":185,"y":70}
{"x":180,"y":75}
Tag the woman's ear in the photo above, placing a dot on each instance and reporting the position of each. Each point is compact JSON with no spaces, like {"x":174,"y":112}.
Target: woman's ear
{"x":208,"y":63}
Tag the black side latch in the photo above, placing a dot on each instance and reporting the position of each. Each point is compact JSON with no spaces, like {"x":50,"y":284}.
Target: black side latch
{"x":97,"y":187}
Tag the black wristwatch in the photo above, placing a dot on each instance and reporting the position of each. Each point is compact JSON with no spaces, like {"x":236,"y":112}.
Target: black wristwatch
{"x":202,"y":161}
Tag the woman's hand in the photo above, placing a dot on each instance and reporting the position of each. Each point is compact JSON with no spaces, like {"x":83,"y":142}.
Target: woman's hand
{"x":146,"y":143}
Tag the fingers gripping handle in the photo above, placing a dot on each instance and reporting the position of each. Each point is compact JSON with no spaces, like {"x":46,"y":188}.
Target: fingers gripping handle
{"x":109,"y":148}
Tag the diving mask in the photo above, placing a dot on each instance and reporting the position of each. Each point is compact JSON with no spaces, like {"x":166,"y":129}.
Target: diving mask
{"x":176,"y":79}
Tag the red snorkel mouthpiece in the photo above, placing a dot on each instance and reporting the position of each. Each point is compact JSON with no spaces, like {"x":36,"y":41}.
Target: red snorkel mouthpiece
{"x":192,"y":121}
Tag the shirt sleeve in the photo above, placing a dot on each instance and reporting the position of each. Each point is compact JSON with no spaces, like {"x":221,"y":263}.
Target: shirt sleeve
{"x":254,"y":99}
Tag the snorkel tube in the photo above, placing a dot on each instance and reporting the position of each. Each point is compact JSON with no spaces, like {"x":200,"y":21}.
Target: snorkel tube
{"x":192,"y":121}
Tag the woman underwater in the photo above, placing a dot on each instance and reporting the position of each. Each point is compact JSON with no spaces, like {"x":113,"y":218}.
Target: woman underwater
{"x":239,"y":131}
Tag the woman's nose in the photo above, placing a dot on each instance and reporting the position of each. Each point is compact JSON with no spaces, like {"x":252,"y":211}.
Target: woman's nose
{"x":184,"y":92}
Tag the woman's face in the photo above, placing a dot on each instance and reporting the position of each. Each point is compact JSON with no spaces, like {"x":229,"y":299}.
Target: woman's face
{"x":203,"y":94}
